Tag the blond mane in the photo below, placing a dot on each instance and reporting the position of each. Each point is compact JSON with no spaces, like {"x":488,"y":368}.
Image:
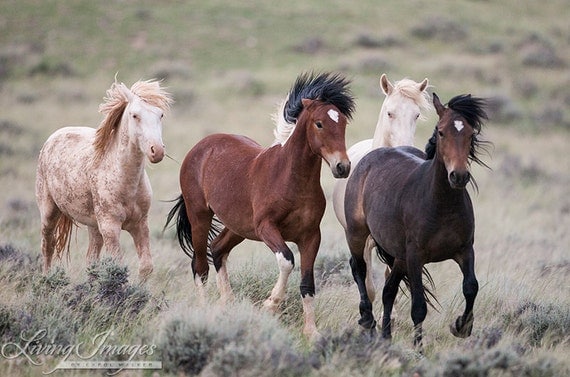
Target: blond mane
{"x":409,"y":88}
{"x":282,"y":129}
{"x":114,"y":104}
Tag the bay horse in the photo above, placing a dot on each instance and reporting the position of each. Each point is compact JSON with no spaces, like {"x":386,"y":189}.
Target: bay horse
{"x":400,"y":111}
{"x":418,"y":211}
{"x":96,"y":177}
{"x":270,"y":194}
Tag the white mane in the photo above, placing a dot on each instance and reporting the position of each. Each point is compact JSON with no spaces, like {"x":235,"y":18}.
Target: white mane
{"x":282,"y":129}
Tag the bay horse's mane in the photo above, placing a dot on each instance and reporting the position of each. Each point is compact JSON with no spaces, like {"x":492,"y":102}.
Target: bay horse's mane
{"x":330,"y":88}
{"x":472,"y":109}
{"x":409,"y":88}
{"x":114,"y":104}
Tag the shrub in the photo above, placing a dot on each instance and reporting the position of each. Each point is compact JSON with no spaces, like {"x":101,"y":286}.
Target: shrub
{"x":233,"y":340}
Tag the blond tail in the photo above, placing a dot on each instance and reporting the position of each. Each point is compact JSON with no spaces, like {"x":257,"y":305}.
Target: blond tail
{"x":62,"y":233}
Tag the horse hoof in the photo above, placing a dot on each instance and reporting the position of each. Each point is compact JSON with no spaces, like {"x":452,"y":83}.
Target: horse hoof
{"x":367,"y":323}
{"x":144,"y":272}
{"x":460,"y":329}
{"x":271,"y":306}
{"x":313,"y":336}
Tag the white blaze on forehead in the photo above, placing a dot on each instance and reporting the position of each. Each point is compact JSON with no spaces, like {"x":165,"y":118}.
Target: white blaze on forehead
{"x":333,"y":114}
{"x":458,"y":125}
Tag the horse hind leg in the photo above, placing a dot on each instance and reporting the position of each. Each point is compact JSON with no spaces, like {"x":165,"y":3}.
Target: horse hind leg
{"x":359,"y":243}
{"x":369,"y":282}
{"x":48,"y":225}
{"x":419,"y":304}
{"x":389,"y":293}
{"x":220,"y":248}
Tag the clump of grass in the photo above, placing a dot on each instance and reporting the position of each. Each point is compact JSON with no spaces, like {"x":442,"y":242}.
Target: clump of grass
{"x":65,"y":312}
{"x":233,"y":340}
{"x":542,"y":324}
{"x":357,"y":352}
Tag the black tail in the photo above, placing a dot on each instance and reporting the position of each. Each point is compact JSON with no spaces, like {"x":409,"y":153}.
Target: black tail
{"x":429,"y":296}
{"x":184,"y":228}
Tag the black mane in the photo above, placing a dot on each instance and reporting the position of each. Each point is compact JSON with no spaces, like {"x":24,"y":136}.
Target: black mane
{"x":331,"y":88}
{"x":472,"y":109}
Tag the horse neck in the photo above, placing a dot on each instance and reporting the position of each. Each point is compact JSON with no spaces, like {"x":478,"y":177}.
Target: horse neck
{"x":124,"y":158}
{"x":379,"y":140}
{"x":439,"y":188}
{"x":302,"y":163}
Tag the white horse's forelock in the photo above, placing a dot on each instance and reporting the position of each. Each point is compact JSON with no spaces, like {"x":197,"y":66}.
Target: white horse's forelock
{"x":282,"y":129}
{"x":409,"y":88}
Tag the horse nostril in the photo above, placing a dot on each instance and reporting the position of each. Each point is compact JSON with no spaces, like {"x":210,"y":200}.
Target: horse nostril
{"x":342,"y":169}
{"x":152,"y":149}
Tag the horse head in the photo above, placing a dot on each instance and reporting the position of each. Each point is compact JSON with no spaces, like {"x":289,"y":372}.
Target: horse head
{"x":144,"y":119}
{"x":400,"y":111}
{"x":453,"y":144}
{"x":325,"y":127}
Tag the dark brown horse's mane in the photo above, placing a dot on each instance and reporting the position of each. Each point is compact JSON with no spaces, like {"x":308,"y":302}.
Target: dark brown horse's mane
{"x":472,"y":109}
{"x":331,"y":88}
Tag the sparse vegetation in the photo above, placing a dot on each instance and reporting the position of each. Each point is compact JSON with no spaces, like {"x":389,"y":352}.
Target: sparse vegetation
{"x":228,"y":64}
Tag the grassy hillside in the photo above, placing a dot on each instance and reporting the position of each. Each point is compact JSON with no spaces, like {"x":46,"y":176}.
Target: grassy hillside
{"x":228,"y":64}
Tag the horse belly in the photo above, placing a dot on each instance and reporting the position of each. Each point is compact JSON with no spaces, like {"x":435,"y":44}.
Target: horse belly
{"x":214,"y":175}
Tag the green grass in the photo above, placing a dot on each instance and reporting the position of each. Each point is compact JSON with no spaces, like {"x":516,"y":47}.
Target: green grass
{"x":228,"y":64}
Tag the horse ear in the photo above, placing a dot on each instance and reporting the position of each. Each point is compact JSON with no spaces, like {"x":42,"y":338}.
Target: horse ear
{"x":423,"y":85}
{"x":306,"y":102}
{"x":126,"y":92}
{"x":439,"y":108}
{"x":386,"y":85}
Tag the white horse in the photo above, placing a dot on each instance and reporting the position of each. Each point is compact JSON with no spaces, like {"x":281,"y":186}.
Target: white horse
{"x":96,"y":177}
{"x":405,"y":100}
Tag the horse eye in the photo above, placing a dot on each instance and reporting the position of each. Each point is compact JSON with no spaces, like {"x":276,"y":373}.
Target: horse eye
{"x":135,"y":116}
{"x":319,"y":124}
{"x":417,"y":116}
{"x":440,"y":133}
{"x":390,"y":114}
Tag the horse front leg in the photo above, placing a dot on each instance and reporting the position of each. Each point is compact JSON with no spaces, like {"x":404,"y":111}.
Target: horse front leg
{"x":141,"y":237}
{"x":271,"y":236}
{"x":95,"y":245}
{"x":308,"y":248}
{"x":110,"y":228}
{"x":464,"y":324}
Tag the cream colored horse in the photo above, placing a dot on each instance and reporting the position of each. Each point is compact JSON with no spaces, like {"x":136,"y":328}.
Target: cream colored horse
{"x":96,"y":177}
{"x":405,"y":100}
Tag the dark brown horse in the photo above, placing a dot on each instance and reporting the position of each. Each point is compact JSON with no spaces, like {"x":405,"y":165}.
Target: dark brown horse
{"x":418,"y":211}
{"x":267,"y":194}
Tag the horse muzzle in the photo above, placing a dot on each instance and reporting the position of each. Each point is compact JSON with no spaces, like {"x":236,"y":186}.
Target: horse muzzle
{"x":341,"y":169}
{"x":155,"y":153}
{"x":459,"y":179}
